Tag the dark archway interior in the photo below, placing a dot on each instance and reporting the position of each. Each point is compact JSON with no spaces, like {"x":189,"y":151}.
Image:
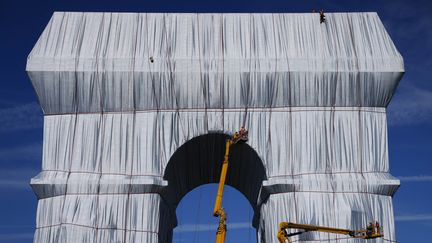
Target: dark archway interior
{"x":199,"y":161}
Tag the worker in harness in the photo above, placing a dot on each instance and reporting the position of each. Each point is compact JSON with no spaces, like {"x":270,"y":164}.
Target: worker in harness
{"x":322,"y":16}
{"x":218,"y":211}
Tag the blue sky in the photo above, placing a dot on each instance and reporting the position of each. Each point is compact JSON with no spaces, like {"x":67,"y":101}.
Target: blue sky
{"x":410,"y":113}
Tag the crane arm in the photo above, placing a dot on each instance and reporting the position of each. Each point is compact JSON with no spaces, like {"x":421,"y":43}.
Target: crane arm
{"x":307,"y":227}
{"x":372,"y":231}
{"x":218,"y":210}
{"x":217,"y":207}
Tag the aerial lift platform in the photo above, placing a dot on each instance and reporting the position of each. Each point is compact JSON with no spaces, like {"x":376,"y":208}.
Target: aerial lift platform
{"x":372,"y":231}
{"x":218,"y":211}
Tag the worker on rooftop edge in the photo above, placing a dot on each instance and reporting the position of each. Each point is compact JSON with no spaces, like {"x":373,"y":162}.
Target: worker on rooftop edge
{"x":322,"y":16}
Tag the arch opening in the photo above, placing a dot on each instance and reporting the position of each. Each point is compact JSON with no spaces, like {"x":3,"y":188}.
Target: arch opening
{"x":199,"y":161}
{"x":196,"y":224}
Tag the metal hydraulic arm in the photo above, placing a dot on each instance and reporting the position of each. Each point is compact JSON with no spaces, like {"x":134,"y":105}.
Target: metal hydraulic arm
{"x":218,"y":210}
{"x":373,"y":230}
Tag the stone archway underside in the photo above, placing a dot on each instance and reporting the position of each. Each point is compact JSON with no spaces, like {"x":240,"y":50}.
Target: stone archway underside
{"x":127,"y":96}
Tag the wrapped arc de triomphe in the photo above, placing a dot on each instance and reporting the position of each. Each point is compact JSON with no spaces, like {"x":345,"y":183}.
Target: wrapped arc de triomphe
{"x":137,"y":107}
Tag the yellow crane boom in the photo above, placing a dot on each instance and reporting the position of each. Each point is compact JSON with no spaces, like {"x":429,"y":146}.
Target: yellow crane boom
{"x":373,"y":230}
{"x":218,"y":210}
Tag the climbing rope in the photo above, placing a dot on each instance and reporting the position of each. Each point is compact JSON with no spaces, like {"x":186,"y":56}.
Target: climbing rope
{"x":197,"y":216}
{"x":249,"y":228}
